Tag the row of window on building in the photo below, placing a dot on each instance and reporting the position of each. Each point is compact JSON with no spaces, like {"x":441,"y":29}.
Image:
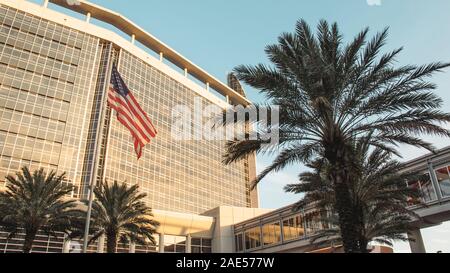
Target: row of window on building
{"x":428,"y":189}
{"x":55,"y":244}
{"x":302,"y":226}
{"x":297,"y":227}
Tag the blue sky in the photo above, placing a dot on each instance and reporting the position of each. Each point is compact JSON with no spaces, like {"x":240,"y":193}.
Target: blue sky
{"x":219,"y":35}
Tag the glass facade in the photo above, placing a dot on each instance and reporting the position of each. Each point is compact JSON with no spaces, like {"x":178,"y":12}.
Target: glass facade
{"x":239,"y":242}
{"x":425,"y":186}
{"x":313,"y":223}
{"x":174,"y":244}
{"x":291,"y":226}
{"x":271,"y":233}
{"x":430,"y":190}
{"x":201,"y":245}
{"x":46,"y":88}
{"x":443,"y":178}
{"x":183,"y":176}
{"x":52,"y":82}
{"x":252,"y":238}
{"x":148,"y":249}
{"x":53,"y":114}
{"x":42,"y":244}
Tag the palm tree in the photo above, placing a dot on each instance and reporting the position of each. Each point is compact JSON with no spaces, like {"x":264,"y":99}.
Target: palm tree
{"x":379,"y":195}
{"x":34,"y":202}
{"x":120,"y":214}
{"x":330,"y":94}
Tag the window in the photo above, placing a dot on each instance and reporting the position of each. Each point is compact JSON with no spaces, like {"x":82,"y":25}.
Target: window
{"x":174,"y":244}
{"x":293,"y":228}
{"x":443,"y":178}
{"x":312,"y":223}
{"x":425,"y":186}
{"x":253,"y":238}
{"x":201,"y":245}
{"x":238,"y":242}
{"x":271,"y":234}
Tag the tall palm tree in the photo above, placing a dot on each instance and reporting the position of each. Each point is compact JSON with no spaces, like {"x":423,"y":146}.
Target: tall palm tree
{"x":379,"y":196}
{"x":120,"y":214}
{"x":36,"y":201}
{"x":330,"y":94}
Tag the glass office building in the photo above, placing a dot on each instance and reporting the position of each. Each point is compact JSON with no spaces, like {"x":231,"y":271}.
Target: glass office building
{"x":53,"y":113}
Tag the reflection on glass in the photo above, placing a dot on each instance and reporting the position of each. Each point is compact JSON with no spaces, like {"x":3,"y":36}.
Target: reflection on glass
{"x":238,"y":242}
{"x":293,"y":228}
{"x":180,"y":249}
{"x":174,"y":244}
{"x":253,"y":238}
{"x":312,"y":223}
{"x":271,"y":233}
{"x":414,"y":185}
{"x":427,"y":188}
{"x":443,"y":178}
{"x":201,"y":245}
{"x":169,"y":249}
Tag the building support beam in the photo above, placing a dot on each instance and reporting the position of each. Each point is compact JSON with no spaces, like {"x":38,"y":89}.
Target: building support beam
{"x":66,"y":245}
{"x":188,"y":244}
{"x":434,"y":181}
{"x":417,"y":245}
{"x":161,"y":56}
{"x":161,"y":243}
{"x":133,"y":39}
{"x":101,"y":244}
{"x":88,"y":17}
{"x":45,"y":5}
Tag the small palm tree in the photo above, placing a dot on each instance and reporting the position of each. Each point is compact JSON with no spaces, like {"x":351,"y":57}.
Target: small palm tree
{"x":379,"y":196}
{"x":330,"y":94}
{"x":120,"y":214}
{"x":34,"y":202}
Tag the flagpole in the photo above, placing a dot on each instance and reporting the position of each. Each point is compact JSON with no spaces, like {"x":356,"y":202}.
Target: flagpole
{"x":94,"y":167}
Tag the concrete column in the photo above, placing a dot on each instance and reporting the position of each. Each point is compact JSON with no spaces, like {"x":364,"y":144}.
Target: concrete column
{"x":161,"y":243}
{"x":66,"y":246}
{"x":186,"y":72}
{"x":188,"y":244}
{"x":101,"y":244}
{"x":417,"y":246}
{"x":161,"y":56}
{"x":228,"y":99}
{"x":207,"y":86}
{"x":88,"y":17}
{"x":133,"y":39}
{"x":132,"y":248}
{"x":45,"y":5}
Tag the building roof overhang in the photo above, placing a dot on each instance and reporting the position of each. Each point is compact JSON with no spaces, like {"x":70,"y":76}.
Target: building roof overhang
{"x":125,"y":25}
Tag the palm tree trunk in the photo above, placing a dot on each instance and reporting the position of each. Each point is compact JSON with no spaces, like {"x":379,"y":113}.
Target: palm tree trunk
{"x":347,"y":219}
{"x":30,"y":235}
{"x":111,"y":242}
{"x":363,"y":245}
{"x":363,"y":242}
{"x":337,"y":156}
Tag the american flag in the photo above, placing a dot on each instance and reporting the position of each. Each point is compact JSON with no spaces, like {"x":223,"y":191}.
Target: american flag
{"x":130,"y":113}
